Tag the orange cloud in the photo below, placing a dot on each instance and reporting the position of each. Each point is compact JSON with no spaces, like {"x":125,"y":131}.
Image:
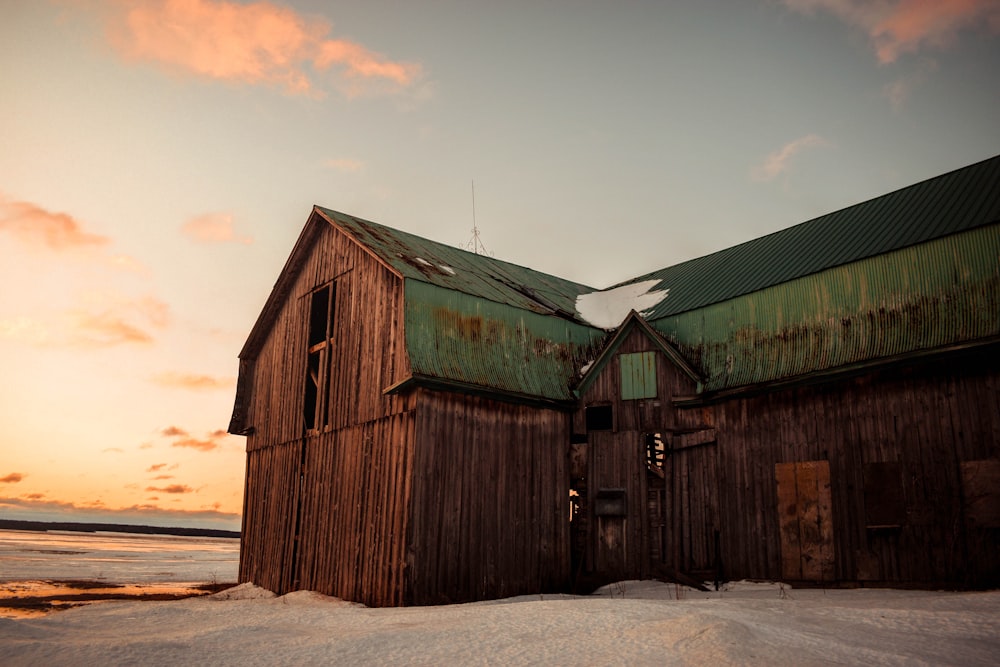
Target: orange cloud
{"x":256,"y":43}
{"x":172,"y":488}
{"x":896,"y":27}
{"x":172,"y":431}
{"x":212,"y":441}
{"x":163,"y":477}
{"x":194,"y":443}
{"x":213,"y":228}
{"x":107,"y":319}
{"x":101,"y":319}
{"x":194,"y":382}
{"x":12,"y":478}
{"x":35,"y":226}
{"x":778,"y":161}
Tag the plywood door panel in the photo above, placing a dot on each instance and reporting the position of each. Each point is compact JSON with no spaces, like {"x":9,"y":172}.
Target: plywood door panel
{"x":805,"y":518}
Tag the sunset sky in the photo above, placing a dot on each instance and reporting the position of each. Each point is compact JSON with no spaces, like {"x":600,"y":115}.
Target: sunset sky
{"x":158,"y":159}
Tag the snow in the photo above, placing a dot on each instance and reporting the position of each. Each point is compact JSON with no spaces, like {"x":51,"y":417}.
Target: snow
{"x":634,"y":623}
{"x":447,"y":269}
{"x":608,"y":308}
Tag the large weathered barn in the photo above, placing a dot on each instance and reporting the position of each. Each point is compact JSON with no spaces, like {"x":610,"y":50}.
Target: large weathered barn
{"x":822,"y":404}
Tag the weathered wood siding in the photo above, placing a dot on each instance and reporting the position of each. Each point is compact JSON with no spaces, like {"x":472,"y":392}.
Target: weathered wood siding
{"x":902,"y":457}
{"x":490,"y":500}
{"x":619,"y":547}
{"x":270,"y":499}
{"x":369,"y":350}
{"x":353,"y":520}
{"x":327,"y":509}
{"x":913,"y":429}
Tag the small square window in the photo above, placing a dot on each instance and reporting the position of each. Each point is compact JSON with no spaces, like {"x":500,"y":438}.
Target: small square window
{"x":600,"y":418}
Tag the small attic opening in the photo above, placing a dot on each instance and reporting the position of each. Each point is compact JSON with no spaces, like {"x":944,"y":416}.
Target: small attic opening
{"x":599,"y":418}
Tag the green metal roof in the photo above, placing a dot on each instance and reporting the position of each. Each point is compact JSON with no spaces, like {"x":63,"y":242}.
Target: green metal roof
{"x":421,"y":259}
{"x":911,"y":271}
{"x":462,"y":341}
{"x":930,"y":296}
{"x":480,"y":324}
{"x":959,"y":200}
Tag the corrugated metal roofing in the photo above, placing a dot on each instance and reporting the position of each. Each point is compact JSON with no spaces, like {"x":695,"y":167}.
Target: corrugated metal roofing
{"x":421,"y":259}
{"x":474,"y":343}
{"x":940,"y":293}
{"x":957,"y":201}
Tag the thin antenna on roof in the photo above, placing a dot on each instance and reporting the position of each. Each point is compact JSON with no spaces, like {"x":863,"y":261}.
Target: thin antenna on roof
{"x":475,"y":244}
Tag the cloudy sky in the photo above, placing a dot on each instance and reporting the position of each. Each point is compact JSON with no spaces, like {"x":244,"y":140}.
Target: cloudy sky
{"x":159,"y":157}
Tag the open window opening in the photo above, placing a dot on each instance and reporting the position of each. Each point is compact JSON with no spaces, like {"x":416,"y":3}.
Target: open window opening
{"x":656,"y":452}
{"x":319,"y":367}
{"x":599,"y":418}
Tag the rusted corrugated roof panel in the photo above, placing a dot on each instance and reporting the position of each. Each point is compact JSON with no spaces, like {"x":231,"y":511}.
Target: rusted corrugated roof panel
{"x":465,"y":341}
{"x":478,"y":323}
{"x":957,"y":201}
{"x":421,"y":259}
{"x":936,"y":294}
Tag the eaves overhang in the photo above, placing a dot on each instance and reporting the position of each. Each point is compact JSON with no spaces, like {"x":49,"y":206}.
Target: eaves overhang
{"x":446,"y":384}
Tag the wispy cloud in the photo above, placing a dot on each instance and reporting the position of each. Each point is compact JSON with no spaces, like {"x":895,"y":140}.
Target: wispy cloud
{"x":171,"y":488}
{"x":106,"y":318}
{"x":255,"y":43}
{"x":184,"y":439}
{"x":156,"y":467}
{"x":37,"y":227}
{"x":213,"y":228}
{"x":11,"y":478}
{"x":778,"y":161}
{"x":193,"y":381}
{"x":895,"y":27}
{"x":99,"y":319}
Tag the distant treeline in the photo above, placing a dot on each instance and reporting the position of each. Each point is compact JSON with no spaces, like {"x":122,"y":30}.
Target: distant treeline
{"x":12,"y":524}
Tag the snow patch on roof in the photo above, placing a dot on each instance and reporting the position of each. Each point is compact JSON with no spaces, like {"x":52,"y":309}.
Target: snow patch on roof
{"x":447,"y":269}
{"x":608,"y":308}
{"x":423,"y":261}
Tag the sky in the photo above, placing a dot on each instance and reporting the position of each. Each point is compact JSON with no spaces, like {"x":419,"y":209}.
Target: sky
{"x":158,"y":159}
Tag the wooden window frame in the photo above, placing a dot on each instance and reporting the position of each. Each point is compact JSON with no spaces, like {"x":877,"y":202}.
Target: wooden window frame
{"x":319,"y":357}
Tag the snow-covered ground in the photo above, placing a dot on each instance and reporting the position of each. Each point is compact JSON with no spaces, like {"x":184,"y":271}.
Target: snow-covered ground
{"x":632,"y":623}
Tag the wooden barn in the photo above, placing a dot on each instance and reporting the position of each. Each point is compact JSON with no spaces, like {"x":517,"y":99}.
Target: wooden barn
{"x":427,"y":425}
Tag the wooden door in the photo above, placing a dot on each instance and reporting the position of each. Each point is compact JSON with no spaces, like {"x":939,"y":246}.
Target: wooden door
{"x":805,"y":520}
{"x":693,"y":499}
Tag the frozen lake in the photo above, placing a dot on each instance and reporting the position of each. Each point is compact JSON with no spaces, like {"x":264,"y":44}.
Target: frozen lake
{"x":123,"y":558}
